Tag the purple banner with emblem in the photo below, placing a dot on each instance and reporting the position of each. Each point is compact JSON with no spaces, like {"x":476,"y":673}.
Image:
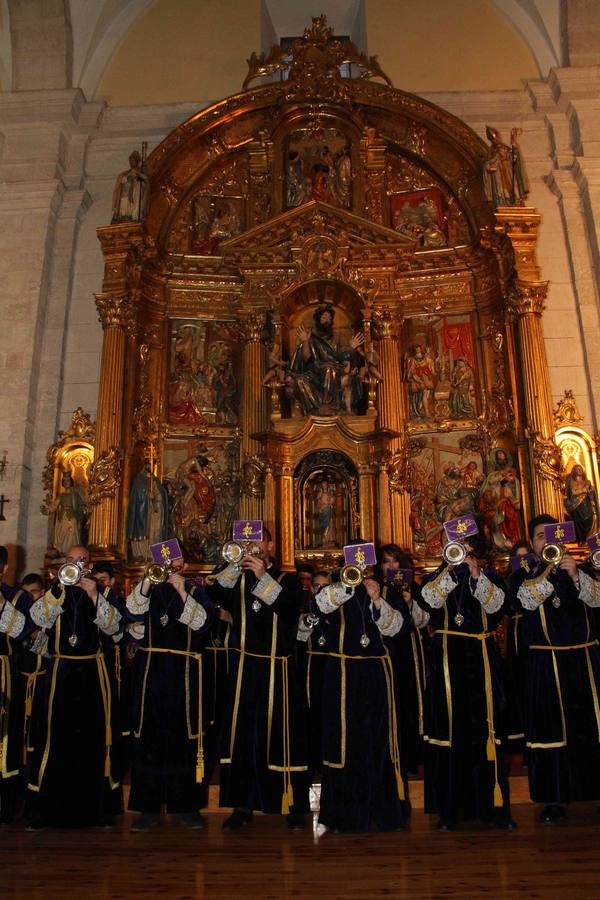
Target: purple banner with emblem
{"x":461,"y":528}
{"x":399,"y":577}
{"x":526,"y":561}
{"x":593,"y":542}
{"x":360,"y":555}
{"x":166,"y":551}
{"x":559,"y":532}
{"x":248,"y":530}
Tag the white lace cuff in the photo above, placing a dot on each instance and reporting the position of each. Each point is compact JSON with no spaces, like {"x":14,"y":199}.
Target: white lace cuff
{"x":419,"y":616}
{"x":137,"y":603}
{"x":589,"y":589}
{"x":267,"y":589}
{"x":304,"y":630}
{"x":12,"y":620}
{"x":389,"y":620}
{"x":39,"y":645}
{"x":332,"y":596}
{"x":136,"y":630}
{"x":228,"y":577}
{"x":489,"y":594}
{"x":435,"y":592}
{"x":107,"y":616}
{"x":45,"y":611}
{"x":193,"y":615}
{"x":534,"y":591}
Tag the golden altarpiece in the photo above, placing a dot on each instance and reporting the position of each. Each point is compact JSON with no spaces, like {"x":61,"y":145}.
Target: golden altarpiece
{"x":321,"y":322}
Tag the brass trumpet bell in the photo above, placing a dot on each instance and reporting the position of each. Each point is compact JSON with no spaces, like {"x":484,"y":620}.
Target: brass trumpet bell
{"x":157,"y":573}
{"x":454,"y":553}
{"x":351,"y":575}
{"x":71,"y":573}
{"x":552,"y":554}
{"x":595,"y":558}
{"x":233,"y":551}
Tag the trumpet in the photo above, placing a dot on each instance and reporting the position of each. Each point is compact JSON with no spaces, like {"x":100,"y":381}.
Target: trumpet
{"x":233,"y":551}
{"x":157,"y":573}
{"x":552,"y":554}
{"x":594,"y":558}
{"x":454,"y":553}
{"x":71,"y":573}
{"x":352,"y":575}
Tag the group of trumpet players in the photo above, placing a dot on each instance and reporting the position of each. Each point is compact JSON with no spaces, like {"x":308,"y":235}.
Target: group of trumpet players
{"x":354,"y":683}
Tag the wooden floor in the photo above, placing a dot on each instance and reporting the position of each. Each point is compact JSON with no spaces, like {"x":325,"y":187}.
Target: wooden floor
{"x":266,"y":860}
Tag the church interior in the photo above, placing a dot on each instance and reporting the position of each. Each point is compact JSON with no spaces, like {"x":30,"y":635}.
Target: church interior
{"x":284,"y":262}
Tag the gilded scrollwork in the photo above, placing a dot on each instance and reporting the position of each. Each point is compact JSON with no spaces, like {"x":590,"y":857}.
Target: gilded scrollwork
{"x":105,"y":476}
{"x":547,"y":459}
{"x":567,"y":411}
{"x":253,"y":476}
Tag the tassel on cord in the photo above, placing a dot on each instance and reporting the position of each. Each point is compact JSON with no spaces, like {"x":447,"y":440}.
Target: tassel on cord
{"x":498,"y":798}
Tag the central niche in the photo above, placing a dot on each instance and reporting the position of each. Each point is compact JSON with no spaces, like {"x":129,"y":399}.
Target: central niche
{"x":326,"y":501}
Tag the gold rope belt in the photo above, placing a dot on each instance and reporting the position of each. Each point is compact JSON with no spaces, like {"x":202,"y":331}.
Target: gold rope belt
{"x":392,"y":719}
{"x":287,"y":800}
{"x":563,"y":646}
{"x":5,"y":698}
{"x":30,"y":678}
{"x":491,"y":754}
{"x":198,"y":658}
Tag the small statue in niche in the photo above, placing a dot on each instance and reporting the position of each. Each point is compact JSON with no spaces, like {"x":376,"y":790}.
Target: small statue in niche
{"x":420,"y":375}
{"x":325,"y":513}
{"x":131,"y":192}
{"x":277,"y":367}
{"x":342,"y":181}
{"x":462,"y":390}
{"x":581,"y":502}
{"x":505,"y":180}
{"x":296,"y":189}
{"x":67,"y":513}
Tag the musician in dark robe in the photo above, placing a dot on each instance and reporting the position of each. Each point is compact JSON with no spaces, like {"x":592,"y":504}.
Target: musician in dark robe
{"x":395,"y":571}
{"x":14,"y":605}
{"x":264,"y":757}
{"x":32,"y":654}
{"x":562,"y":717}
{"x":168,"y":723}
{"x":74,"y":778}
{"x":363,"y":783}
{"x":464,"y":698}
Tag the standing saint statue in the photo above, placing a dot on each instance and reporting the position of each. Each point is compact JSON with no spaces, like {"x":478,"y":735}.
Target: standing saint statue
{"x":581,"y":502}
{"x":67,"y":512}
{"x":325,"y":514}
{"x":147,"y":512}
{"x":131,"y":192}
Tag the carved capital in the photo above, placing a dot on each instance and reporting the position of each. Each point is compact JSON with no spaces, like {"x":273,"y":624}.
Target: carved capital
{"x":528,"y":299}
{"x":386,"y":327}
{"x":105,"y":476}
{"x":116,"y":310}
{"x":252,"y":327}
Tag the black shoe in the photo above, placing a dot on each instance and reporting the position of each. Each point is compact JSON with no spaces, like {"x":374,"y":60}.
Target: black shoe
{"x":552,"y":813}
{"x":504,"y":823}
{"x":237,"y":820}
{"x":194,"y":821}
{"x":295,"y":821}
{"x":36,"y":825}
{"x":145,"y":821}
{"x":445,"y":825}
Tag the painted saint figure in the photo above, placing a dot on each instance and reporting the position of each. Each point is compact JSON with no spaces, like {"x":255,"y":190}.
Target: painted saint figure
{"x":67,"y":510}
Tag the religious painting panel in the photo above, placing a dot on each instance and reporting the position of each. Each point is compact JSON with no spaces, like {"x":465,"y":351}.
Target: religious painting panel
{"x":204,"y":373}
{"x":440,"y":368}
{"x":419,"y":215}
{"x":326,"y":501}
{"x":215,"y":219}
{"x":202,"y":480}
{"x":318,"y":166}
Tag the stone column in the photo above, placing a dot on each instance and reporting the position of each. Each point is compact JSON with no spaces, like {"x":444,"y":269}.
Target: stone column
{"x":117,"y":315}
{"x":393,"y":414}
{"x":253,"y":407}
